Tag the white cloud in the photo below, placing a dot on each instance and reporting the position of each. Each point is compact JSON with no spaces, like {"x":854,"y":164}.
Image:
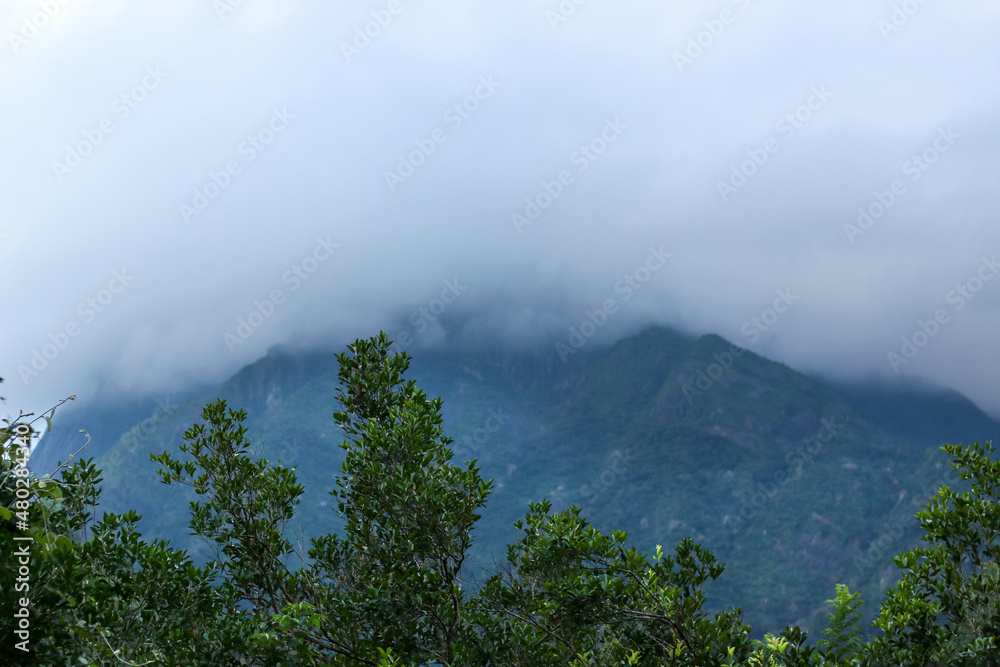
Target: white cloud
{"x":324,"y":175}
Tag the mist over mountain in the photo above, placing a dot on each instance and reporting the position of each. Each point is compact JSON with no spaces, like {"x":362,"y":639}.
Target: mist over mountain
{"x":189,"y":184}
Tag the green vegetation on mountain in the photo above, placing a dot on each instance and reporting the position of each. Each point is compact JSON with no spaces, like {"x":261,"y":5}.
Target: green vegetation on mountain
{"x":659,"y":435}
{"x":735,"y":462}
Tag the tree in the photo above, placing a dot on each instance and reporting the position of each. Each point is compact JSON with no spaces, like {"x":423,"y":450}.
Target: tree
{"x":97,"y":593}
{"x":945,"y":610}
{"x":572,"y":595}
{"x":393,"y":579}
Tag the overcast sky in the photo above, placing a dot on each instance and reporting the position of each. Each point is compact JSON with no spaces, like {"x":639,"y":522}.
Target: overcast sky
{"x":185,"y":183}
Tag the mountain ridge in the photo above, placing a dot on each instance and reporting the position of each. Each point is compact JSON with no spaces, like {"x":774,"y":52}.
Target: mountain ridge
{"x":661,"y":434}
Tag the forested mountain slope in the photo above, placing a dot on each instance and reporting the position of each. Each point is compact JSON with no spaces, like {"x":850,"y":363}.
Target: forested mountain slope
{"x":794,"y":484}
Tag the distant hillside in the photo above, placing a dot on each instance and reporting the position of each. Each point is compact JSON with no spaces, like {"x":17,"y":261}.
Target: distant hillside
{"x":924,"y":414}
{"x":105,"y":420}
{"x":795,"y":484}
